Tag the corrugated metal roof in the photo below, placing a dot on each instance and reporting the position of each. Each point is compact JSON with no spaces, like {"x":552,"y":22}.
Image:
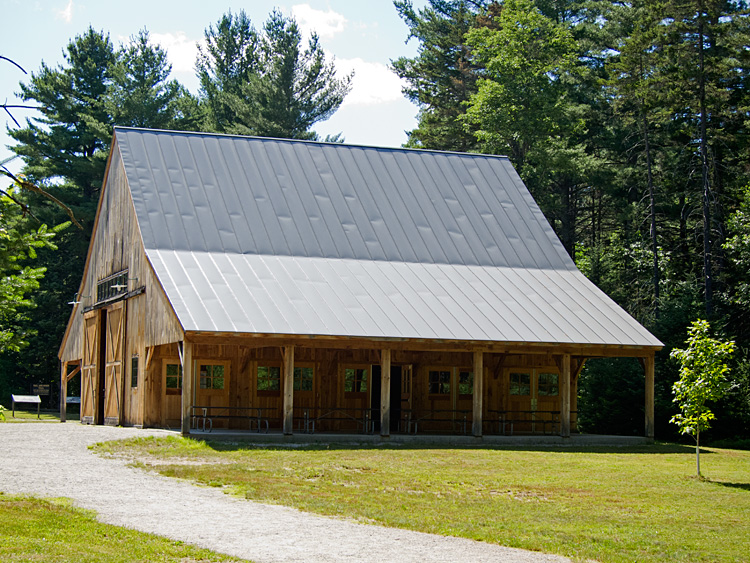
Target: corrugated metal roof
{"x":256,"y":235}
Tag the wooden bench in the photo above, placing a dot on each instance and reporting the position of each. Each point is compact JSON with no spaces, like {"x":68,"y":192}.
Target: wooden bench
{"x":29,"y":399}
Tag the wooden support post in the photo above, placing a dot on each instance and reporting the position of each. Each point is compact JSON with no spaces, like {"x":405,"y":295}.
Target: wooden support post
{"x":385,"y":393}
{"x":63,"y":391}
{"x":186,"y":357}
{"x":476,"y":424}
{"x":648,"y":368}
{"x":288,"y":390}
{"x":565,"y":397}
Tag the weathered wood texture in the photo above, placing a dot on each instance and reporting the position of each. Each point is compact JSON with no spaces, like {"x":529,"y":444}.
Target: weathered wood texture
{"x":116,"y":245}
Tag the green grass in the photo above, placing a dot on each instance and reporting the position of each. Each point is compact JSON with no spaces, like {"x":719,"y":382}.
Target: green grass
{"x":23,"y":415}
{"x":606,"y":504}
{"x":51,"y":530}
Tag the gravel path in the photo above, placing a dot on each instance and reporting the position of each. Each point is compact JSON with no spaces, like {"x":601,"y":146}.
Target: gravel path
{"x":53,"y":460}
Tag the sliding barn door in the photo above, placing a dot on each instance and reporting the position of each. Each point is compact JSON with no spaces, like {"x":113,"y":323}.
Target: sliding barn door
{"x":115,"y":364}
{"x":90,"y":368}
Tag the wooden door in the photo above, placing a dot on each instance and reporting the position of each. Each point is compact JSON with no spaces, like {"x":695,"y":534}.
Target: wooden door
{"x":89,"y":369}
{"x":115,"y":364}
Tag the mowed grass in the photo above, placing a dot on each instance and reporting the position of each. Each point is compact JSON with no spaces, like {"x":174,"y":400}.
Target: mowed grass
{"x":23,"y":415}
{"x":51,"y":530}
{"x":616,"y":504}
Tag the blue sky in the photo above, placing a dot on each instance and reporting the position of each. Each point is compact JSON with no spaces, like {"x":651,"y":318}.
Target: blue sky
{"x":362,"y":35}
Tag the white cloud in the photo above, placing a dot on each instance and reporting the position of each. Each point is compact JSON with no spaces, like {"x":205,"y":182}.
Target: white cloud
{"x":325,"y":24}
{"x":181,"y":51}
{"x":374,"y":83}
{"x":67,"y":13}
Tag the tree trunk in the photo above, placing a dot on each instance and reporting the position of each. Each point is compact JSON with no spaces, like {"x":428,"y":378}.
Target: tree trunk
{"x":705,"y":170}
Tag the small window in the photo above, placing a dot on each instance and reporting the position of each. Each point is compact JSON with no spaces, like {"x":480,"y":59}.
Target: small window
{"x":440,"y":382}
{"x":548,"y":385}
{"x":173,"y":381}
{"x":355,"y":380}
{"x":134,"y":371}
{"x":465,"y":383}
{"x":520,"y":384}
{"x":269,"y":378}
{"x":303,"y":379}
{"x":211,"y":376}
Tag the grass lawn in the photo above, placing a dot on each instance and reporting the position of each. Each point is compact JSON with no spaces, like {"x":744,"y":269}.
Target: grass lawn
{"x":23,"y":415}
{"x":606,"y":504}
{"x":50,"y":530}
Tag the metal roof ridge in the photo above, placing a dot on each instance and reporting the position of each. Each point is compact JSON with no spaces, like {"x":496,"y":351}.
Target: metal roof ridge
{"x":307,"y":141}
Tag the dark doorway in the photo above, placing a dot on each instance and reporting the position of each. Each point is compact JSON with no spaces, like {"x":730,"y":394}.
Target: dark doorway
{"x":102,"y":365}
{"x":395,"y":396}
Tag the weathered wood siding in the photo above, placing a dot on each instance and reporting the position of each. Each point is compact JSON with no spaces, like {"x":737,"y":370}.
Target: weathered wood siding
{"x":116,"y":245}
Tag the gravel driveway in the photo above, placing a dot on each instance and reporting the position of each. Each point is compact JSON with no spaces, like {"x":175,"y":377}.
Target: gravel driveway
{"x":53,"y":460}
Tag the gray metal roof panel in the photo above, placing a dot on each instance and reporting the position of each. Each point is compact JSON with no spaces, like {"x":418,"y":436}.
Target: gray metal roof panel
{"x":374,"y":299}
{"x":291,"y":237}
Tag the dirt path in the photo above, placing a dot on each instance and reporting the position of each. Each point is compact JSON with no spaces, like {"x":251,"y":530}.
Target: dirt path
{"x":53,"y":460}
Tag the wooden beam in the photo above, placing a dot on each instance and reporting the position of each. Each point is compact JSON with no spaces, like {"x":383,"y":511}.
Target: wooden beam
{"x":64,"y":391}
{"x":288,"y":367}
{"x":73,"y":373}
{"x":149,"y":355}
{"x":565,"y":396}
{"x":476,"y":424}
{"x":385,"y":393}
{"x":649,"y":368}
{"x":186,"y":357}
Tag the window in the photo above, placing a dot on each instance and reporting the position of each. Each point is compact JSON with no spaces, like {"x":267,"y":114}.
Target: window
{"x":440,"y":382}
{"x":173,"y":378}
{"x":303,"y":379}
{"x":211,"y":376}
{"x":465,"y":383}
{"x":520,"y":384}
{"x":355,"y":380}
{"x":134,"y":371}
{"x":548,"y":385}
{"x":269,"y":378}
{"x":112,"y":286}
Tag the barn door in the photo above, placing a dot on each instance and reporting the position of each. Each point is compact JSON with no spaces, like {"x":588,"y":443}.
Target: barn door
{"x":89,"y":370}
{"x":115,"y":364}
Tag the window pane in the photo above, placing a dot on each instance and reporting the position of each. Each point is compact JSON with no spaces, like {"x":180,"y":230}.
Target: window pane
{"x":174,"y":376}
{"x":134,"y":372}
{"x":440,"y":382}
{"x":466,"y":382}
{"x":548,"y":384}
{"x":520,"y":384}
{"x":269,"y":378}
{"x":303,"y":379}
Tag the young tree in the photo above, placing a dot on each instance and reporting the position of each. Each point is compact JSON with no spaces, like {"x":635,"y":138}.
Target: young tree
{"x":703,"y":378}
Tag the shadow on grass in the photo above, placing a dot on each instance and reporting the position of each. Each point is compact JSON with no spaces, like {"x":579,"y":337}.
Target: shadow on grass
{"x":741,"y":486}
{"x":229,"y":445}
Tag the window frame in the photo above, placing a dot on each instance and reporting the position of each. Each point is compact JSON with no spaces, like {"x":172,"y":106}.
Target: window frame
{"x":226,"y":364}
{"x":367,"y":379}
{"x":528,"y":384}
{"x":268,"y":392}
{"x":439,"y":392}
{"x":172,"y":390}
{"x":134,"y":371}
{"x":547,"y":385}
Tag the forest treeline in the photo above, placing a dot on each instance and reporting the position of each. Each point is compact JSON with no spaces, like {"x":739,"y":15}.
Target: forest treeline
{"x":627,"y":121}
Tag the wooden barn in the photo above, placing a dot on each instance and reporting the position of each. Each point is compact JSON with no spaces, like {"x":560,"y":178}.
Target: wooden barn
{"x":253,"y":283}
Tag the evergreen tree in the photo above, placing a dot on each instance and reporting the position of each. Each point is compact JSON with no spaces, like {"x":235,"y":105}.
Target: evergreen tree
{"x":443,"y":76}
{"x":70,"y":140}
{"x":141,"y":94}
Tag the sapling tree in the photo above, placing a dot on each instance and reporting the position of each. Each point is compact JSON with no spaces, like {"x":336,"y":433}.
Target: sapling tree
{"x":703,"y":379}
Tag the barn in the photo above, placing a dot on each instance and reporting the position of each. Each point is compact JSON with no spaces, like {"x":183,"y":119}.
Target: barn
{"x":293,"y":286}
